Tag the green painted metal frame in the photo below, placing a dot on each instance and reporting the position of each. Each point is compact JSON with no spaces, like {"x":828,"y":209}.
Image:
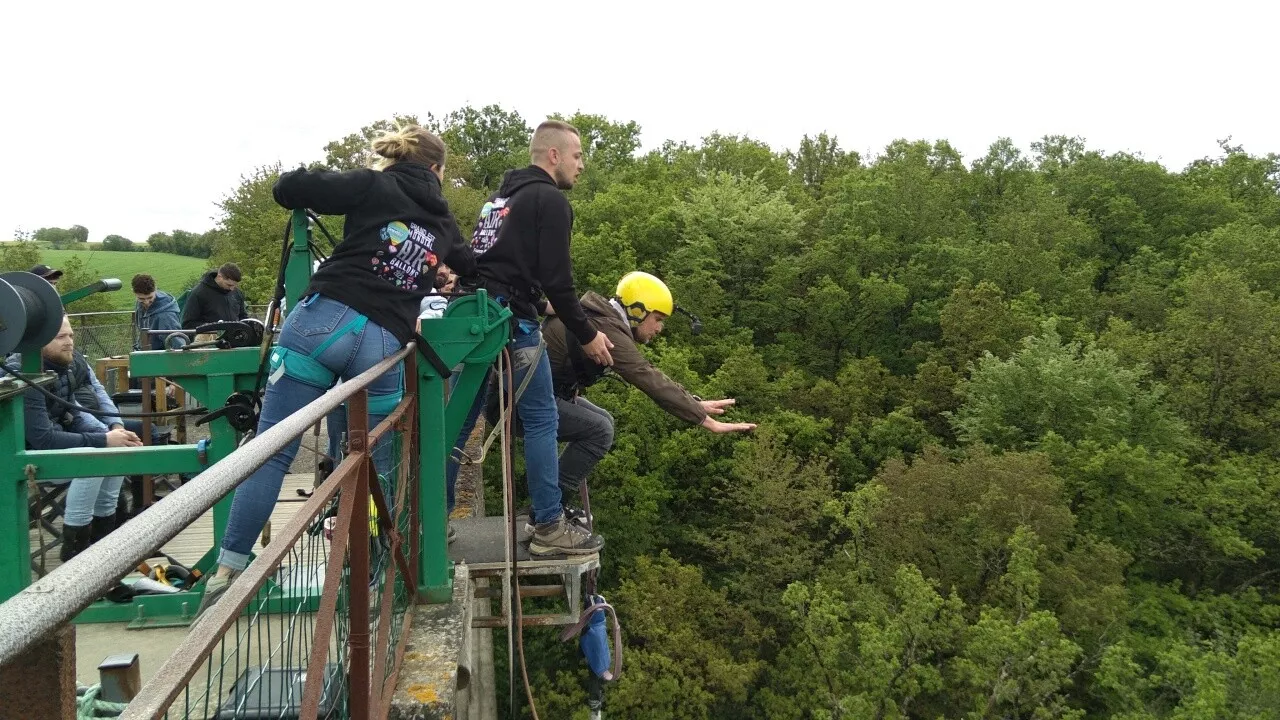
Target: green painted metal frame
{"x":471,"y":334}
{"x":84,"y":292}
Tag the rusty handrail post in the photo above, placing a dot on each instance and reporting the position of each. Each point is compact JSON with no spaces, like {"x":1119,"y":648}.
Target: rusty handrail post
{"x":148,"y":483}
{"x":358,"y":547}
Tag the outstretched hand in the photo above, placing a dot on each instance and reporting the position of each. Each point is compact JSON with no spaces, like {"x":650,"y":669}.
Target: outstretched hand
{"x":717,"y":407}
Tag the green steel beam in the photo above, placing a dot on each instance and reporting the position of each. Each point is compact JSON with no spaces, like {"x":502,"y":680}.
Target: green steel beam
{"x":15,"y":553}
{"x":473,"y":332}
{"x":104,"y":285}
{"x":435,"y":582}
{"x":298,"y":272}
{"x":73,"y":462}
{"x":186,"y":365}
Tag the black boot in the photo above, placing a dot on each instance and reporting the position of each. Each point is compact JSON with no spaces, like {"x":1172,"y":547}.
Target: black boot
{"x":75,"y":539}
{"x":101,"y":527}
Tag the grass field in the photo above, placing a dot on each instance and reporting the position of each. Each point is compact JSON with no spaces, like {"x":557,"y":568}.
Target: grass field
{"x":173,"y":273}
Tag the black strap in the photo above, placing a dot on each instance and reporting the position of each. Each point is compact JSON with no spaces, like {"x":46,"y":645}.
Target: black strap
{"x":432,"y":357}
{"x":586,"y":372}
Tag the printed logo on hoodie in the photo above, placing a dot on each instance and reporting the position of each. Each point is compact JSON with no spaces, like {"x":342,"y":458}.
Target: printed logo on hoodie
{"x":486,"y":232}
{"x":406,"y":256}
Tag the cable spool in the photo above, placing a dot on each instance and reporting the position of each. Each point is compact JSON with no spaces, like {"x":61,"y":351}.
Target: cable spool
{"x":30,"y":312}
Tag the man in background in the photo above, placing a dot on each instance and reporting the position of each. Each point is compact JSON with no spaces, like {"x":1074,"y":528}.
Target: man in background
{"x":154,"y":310}
{"x":216,"y":298}
{"x":49,"y":274}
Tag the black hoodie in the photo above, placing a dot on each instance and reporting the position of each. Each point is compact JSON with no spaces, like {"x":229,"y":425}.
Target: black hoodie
{"x":521,"y":243}
{"x":398,"y":228}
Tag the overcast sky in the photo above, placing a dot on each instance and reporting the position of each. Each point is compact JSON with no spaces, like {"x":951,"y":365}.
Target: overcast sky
{"x":133,"y":118}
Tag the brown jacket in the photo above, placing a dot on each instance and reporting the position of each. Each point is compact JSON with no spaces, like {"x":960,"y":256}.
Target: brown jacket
{"x":628,"y":362}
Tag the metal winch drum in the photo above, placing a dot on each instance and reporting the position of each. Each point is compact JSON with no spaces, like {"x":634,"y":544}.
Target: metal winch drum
{"x":30,"y":312}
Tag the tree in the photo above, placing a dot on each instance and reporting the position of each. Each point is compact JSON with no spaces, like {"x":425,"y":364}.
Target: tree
{"x":689,"y":650}
{"x":160,"y":242}
{"x":1075,"y":391}
{"x":60,"y":237}
{"x":18,"y":257}
{"x":1218,"y":356}
{"x":250,"y":232}
{"x":76,"y":274}
{"x":117,"y":243}
{"x":355,"y":150}
{"x":820,"y":160}
{"x":609,"y":146}
{"x":772,"y":533}
{"x":493,"y":140}
{"x":979,"y":320}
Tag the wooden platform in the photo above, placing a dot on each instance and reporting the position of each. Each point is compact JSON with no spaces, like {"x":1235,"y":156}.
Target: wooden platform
{"x":192,"y":543}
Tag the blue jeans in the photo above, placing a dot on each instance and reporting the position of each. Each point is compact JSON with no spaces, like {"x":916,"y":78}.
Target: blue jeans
{"x":540,"y":418}
{"x":587,"y":428}
{"x":468,"y":426}
{"x":310,"y":324}
{"x":89,"y":497}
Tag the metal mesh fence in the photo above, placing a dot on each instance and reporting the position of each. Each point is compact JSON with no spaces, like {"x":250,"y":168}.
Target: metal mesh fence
{"x":107,"y":334}
{"x":103,"y":334}
{"x":258,"y":668}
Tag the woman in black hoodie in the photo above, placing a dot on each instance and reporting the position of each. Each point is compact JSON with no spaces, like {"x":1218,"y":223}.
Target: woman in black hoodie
{"x":361,"y":305}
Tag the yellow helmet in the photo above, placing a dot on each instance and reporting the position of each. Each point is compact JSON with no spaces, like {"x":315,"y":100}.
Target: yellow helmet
{"x":640,"y":293}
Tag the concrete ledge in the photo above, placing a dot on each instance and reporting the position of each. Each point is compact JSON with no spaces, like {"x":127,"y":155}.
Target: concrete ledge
{"x":436,"y":666}
{"x":41,"y":682}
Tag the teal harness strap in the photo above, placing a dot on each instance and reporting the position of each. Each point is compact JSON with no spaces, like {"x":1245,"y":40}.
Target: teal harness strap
{"x":356,"y":325}
{"x":308,"y":368}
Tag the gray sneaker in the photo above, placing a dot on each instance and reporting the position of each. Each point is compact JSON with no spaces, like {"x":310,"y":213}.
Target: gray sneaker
{"x":214,"y":587}
{"x":561,"y":537}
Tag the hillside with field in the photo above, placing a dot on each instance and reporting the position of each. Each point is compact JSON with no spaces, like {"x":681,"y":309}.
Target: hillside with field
{"x":173,"y":273}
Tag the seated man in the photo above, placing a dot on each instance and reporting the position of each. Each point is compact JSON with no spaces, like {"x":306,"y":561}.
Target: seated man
{"x":636,"y":314}
{"x":56,"y":424}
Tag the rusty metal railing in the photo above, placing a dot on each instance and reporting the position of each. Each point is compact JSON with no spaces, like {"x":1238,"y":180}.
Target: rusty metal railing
{"x":277,"y":646}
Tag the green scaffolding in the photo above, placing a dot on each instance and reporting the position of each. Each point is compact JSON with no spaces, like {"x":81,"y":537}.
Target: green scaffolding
{"x":468,"y":338}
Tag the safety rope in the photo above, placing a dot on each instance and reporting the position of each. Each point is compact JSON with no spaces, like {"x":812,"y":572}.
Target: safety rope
{"x":90,"y":707}
{"x":461,"y":456}
{"x":515,"y":612}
